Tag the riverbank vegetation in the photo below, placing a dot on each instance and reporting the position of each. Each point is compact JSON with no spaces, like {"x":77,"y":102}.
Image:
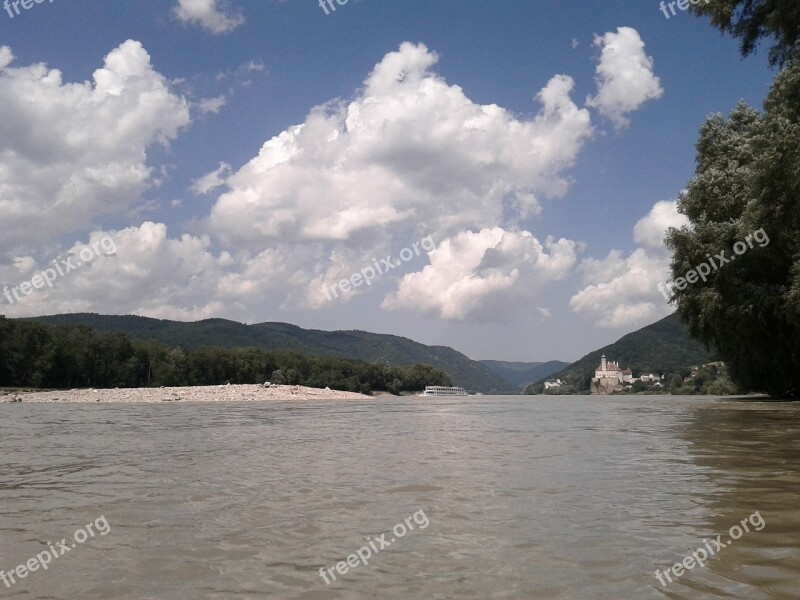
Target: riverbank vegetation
{"x":33,"y":355}
{"x":748,"y":180}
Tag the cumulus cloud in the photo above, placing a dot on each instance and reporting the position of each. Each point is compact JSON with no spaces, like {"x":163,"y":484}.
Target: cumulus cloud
{"x":211,"y":15}
{"x":625,"y":78}
{"x":150,"y":274}
{"x":74,"y":151}
{"x":470,"y":272}
{"x":408,"y":149}
{"x":410,"y":155}
{"x":650,"y":231}
{"x":623,"y":291}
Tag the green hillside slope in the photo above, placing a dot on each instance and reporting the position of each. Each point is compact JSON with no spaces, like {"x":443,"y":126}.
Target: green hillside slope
{"x":370,"y":347}
{"x":663,"y":347}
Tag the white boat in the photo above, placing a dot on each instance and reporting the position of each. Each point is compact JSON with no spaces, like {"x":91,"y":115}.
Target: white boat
{"x":442,"y":390}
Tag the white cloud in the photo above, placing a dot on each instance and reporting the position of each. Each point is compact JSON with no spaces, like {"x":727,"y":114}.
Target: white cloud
{"x":409,"y":156}
{"x":625,"y":78}
{"x":72,"y":152}
{"x":149,"y":274}
{"x":623,"y":292}
{"x":211,"y":15}
{"x":6,"y":57}
{"x":472,"y":274}
{"x":211,"y":180}
{"x":649,"y":231}
{"x":408,"y":150}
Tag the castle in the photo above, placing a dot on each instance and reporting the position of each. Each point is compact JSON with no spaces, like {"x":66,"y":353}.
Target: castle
{"x":609,"y":378}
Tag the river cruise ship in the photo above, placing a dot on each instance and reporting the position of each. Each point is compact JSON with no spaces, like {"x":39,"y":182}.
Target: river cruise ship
{"x":441,"y":390}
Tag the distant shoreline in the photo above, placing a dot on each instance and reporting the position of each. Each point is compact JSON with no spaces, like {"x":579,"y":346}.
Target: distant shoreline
{"x":197,"y":394}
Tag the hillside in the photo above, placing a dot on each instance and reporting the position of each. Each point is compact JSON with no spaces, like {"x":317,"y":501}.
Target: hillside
{"x":523,"y":374}
{"x":270,"y":337}
{"x":663,"y":347}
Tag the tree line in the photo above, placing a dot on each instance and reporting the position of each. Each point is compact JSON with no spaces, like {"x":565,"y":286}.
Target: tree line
{"x":40,"y":356}
{"x":748,"y":179}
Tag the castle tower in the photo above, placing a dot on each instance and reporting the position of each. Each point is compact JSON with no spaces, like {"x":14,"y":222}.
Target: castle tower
{"x":603,"y":363}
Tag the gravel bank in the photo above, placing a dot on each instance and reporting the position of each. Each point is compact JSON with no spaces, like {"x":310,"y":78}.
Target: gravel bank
{"x":215,"y":393}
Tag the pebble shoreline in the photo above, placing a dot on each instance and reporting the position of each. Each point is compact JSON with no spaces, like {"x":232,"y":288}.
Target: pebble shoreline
{"x":214,"y":393}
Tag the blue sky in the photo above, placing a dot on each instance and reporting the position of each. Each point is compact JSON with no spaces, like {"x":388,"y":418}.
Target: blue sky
{"x":419,"y":120}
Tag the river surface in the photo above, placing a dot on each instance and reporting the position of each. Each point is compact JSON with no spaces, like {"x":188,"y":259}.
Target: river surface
{"x":521,"y":497}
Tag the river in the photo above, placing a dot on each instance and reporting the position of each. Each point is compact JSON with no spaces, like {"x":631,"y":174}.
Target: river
{"x":495,"y":497}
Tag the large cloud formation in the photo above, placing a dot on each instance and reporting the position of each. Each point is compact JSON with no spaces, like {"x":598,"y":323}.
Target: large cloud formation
{"x":74,"y":151}
{"x":409,"y":156}
{"x":408,"y":150}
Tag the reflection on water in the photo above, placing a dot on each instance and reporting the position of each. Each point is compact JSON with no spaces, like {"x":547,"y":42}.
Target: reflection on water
{"x":753,"y":452}
{"x":568,"y":497}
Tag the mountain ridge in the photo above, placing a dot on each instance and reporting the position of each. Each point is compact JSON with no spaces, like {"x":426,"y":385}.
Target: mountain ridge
{"x":523,"y":374}
{"x":371,"y":347}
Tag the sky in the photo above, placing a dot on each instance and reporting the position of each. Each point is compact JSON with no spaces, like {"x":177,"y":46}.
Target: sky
{"x":494,"y":176}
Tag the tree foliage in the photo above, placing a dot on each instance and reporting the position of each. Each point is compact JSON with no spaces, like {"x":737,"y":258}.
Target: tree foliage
{"x":752,"y":20}
{"x":40,"y":356}
{"x":748,"y":178}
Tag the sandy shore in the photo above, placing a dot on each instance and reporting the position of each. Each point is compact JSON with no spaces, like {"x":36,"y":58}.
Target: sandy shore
{"x":215,"y":393}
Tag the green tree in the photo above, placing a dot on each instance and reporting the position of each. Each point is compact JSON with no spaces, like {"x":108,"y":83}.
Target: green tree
{"x":747,"y":184}
{"x":752,"y":20}
{"x":676,"y":384}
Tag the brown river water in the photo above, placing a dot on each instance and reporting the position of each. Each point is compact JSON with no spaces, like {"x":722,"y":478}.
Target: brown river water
{"x":508,"y":497}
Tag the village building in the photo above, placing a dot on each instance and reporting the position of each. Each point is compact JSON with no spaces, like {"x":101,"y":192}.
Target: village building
{"x":551,"y":383}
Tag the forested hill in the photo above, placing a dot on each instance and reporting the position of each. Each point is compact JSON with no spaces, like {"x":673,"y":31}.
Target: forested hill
{"x":663,"y":347}
{"x":37,"y":355}
{"x":270,"y":337}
